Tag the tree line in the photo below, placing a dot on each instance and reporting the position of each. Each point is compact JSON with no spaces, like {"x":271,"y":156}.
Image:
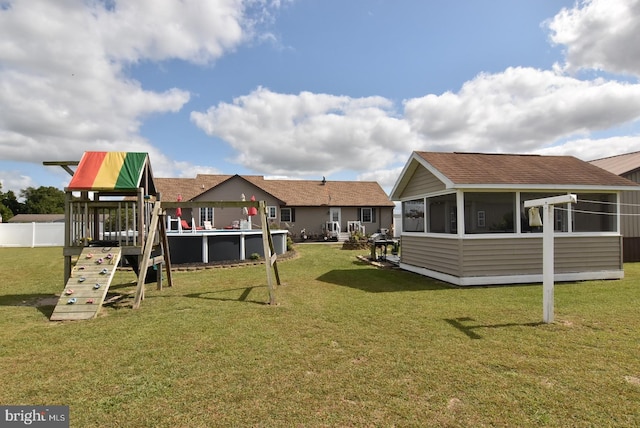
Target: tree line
{"x":40,"y":200}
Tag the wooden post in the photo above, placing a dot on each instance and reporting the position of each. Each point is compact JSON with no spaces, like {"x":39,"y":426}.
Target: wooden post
{"x":267,"y":251}
{"x":164,"y":240}
{"x":148,"y":247}
{"x":67,"y":235}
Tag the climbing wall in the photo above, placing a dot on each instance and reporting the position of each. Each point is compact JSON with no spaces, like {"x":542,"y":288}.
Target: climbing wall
{"x":87,"y":287}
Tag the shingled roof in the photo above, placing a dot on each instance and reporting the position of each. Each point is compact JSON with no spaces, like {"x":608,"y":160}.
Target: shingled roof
{"x":295,"y":193}
{"x":510,"y":171}
{"x":515,"y":169}
{"x":187,"y":188}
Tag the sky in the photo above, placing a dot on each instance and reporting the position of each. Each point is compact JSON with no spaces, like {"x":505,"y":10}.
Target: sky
{"x":303,"y":89}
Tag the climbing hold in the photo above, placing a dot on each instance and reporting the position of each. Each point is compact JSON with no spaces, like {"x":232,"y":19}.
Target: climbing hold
{"x":71,"y":301}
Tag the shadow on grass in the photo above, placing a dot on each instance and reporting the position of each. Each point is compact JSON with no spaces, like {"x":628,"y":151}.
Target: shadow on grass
{"x":460,"y":324}
{"x":381,"y":281}
{"x":45,"y":303}
{"x":244,"y":296}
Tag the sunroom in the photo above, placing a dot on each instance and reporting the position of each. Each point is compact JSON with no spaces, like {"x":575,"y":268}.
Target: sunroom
{"x":464,"y":221}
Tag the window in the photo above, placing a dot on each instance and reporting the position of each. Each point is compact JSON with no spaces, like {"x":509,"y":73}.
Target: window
{"x":206,"y":214}
{"x":442,"y":214}
{"x":413,"y":216}
{"x":272,"y":212}
{"x":480,"y":221}
{"x":489,"y":212}
{"x":287,"y":214}
{"x":367,"y":215}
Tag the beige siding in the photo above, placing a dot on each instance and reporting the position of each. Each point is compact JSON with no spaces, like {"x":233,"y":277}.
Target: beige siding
{"x":494,"y":257}
{"x":312,"y":219}
{"x":506,"y":257}
{"x":630,"y":224}
{"x":232,"y":190}
{"x":586,"y":253}
{"x":421,"y":183}
{"x":438,"y":254}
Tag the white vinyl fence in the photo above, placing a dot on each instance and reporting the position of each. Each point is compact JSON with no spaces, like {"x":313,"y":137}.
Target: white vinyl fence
{"x":31,"y":234}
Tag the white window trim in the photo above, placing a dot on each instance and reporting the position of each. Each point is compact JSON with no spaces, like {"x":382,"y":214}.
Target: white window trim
{"x":272,"y":212}
{"x":370,"y":215}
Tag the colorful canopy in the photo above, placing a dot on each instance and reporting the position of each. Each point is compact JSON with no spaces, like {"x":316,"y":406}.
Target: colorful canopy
{"x":109,"y":171}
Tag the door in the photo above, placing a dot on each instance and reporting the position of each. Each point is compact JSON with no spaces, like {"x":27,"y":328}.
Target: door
{"x":334,"y":215}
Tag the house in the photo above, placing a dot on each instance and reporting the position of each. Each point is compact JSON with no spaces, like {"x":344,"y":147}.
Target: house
{"x":301,"y":206}
{"x":627,"y":166}
{"x":37,"y":218}
{"x":464,"y":220}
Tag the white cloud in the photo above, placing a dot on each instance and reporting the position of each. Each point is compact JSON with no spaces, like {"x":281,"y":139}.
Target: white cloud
{"x":308,"y":134}
{"x":520,"y":110}
{"x":192,"y":30}
{"x":386,"y":178}
{"x":590,"y":149}
{"x":14,"y":181}
{"x":517,"y":111}
{"x":63,"y":89}
{"x":600,"y":35}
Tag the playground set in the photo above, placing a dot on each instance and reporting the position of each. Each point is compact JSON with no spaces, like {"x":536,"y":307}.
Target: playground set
{"x":113,"y":212}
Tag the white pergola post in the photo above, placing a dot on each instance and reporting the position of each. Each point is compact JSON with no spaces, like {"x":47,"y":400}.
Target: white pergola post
{"x":547,"y":249}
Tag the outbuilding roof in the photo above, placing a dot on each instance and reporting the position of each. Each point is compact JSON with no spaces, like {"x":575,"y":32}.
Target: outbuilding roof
{"x":620,"y":164}
{"x":489,"y":170}
{"x":37,"y":218}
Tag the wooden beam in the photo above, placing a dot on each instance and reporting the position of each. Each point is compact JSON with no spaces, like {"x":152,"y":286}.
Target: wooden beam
{"x":266,"y":234}
{"x":164,"y":240}
{"x":148,"y":247}
{"x":64,"y":164}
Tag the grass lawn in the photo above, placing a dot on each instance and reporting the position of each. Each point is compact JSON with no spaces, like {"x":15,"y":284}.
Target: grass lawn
{"x":348,"y":345}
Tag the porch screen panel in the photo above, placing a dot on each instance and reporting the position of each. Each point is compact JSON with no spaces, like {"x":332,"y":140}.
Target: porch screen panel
{"x":489,"y":212}
{"x":442,"y":214}
{"x":560,"y":215}
{"x":413,"y":216}
{"x":595,"y":212}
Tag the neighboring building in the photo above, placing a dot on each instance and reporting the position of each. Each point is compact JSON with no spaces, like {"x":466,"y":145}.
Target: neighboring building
{"x":464,"y":220}
{"x":292,"y":204}
{"x":37,"y":218}
{"x":627,"y":166}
